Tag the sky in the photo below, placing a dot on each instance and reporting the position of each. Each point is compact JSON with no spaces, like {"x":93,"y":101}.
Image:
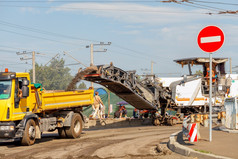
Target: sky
{"x":140,"y":31}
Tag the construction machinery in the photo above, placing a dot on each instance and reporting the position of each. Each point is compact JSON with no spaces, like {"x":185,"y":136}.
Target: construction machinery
{"x":144,"y":93}
{"x":27,"y":110}
{"x":191,"y":92}
{"x":186,"y":95}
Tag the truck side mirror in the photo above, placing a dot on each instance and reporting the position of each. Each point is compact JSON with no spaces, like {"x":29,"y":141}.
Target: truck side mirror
{"x":25,"y":91}
{"x":25,"y":82}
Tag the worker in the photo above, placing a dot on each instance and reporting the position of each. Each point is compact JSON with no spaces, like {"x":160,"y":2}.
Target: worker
{"x":122,"y":111}
{"x":208,"y":75}
{"x":96,"y":106}
{"x":20,"y":89}
{"x":136,"y":113}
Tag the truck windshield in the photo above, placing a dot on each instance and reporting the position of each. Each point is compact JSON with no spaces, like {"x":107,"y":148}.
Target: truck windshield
{"x":5,"y":89}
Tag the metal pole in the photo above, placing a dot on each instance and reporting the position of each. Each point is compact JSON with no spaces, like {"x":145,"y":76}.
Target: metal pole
{"x":91,"y":54}
{"x":230,"y":66}
{"x":51,"y":59}
{"x":91,"y":59}
{"x":33,"y":67}
{"x":74,"y":58}
{"x":152,"y":62}
{"x":189,"y":69}
{"x":210,"y":97}
{"x":108,"y":92}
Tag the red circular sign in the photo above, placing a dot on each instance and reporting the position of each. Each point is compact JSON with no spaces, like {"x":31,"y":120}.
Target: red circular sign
{"x":210,"y":39}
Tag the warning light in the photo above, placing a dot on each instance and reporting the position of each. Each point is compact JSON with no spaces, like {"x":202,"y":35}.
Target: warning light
{"x":6,"y":69}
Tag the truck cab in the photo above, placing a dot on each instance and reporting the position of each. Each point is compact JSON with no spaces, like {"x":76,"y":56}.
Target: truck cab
{"x":14,"y":90}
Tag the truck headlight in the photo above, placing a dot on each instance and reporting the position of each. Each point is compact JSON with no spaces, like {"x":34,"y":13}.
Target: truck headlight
{"x":9,"y":128}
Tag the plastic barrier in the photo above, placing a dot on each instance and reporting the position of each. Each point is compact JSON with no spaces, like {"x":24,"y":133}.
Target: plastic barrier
{"x":193,"y":132}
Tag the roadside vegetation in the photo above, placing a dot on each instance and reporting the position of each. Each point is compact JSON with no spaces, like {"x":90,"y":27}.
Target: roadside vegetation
{"x":55,"y":76}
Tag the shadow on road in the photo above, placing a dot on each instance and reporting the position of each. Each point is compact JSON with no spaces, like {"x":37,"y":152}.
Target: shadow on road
{"x":45,"y":138}
{"x":181,"y":140}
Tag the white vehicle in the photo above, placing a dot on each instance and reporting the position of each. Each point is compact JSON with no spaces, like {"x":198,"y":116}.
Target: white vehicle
{"x":191,"y":92}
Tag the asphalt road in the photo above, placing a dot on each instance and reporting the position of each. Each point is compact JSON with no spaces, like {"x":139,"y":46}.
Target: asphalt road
{"x":134,"y":142}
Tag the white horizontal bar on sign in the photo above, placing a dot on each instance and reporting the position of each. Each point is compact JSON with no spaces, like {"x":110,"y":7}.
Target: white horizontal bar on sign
{"x":211,"y":39}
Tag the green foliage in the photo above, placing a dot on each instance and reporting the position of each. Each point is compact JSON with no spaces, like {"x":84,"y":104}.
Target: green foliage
{"x":82,"y":85}
{"x":203,"y":151}
{"x":53,"y":77}
{"x":199,"y":73}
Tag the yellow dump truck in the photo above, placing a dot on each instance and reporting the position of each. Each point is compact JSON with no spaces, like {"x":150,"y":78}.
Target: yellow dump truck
{"x":27,"y":110}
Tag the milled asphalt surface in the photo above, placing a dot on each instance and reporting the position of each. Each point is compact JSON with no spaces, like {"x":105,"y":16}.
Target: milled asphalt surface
{"x":129,"y":142}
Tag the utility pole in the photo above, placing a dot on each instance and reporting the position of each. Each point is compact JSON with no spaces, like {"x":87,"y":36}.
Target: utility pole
{"x":33,"y":53}
{"x":34,"y":66}
{"x":91,"y":54}
{"x":52,"y":59}
{"x":152,"y":62}
{"x":74,"y":58}
{"x":92,"y":51}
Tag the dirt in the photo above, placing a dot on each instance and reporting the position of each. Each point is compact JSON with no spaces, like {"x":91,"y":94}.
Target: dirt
{"x":147,"y":142}
{"x":79,"y":76}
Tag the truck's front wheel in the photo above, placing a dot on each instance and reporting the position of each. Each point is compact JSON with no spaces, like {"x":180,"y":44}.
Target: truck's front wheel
{"x":29,"y":134}
{"x":75,"y":128}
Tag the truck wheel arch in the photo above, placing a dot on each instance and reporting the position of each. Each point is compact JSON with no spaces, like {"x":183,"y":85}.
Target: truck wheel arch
{"x":27,"y":117}
{"x":23,"y":122}
{"x":69,"y":116}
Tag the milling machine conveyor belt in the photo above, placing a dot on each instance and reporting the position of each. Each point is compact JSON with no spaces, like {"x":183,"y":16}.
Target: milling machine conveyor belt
{"x":141,"y":95}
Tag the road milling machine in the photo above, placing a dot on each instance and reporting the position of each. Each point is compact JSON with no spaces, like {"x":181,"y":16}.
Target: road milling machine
{"x":186,"y":95}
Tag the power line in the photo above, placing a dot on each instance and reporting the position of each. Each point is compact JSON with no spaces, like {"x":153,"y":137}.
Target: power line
{"x":215,"y":8}
{"x":83,"y":1}
{"x":220,"y":3}
{"x":37,"y":37}
{"x":7,"y":51}
{"x":137,"y":52}
{"x":192,"y":4}
{"x":115,"y":10}
{"x":182,"y":2}
{"x":10,"y":47}
{"x":54,"y":34}
{"x":75,"y":59}
{"x":41,"y":31}
{"x":115,"y":1}
{"x":195,"y":4}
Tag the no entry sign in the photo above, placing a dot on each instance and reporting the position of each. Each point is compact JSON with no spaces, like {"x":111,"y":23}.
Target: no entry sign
{"x":210,"y":39}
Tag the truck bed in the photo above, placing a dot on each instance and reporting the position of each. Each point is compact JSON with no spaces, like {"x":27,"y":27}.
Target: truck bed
{"x":55,"y":100}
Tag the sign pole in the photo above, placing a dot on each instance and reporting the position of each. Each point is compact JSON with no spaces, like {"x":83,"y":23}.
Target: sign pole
{"x":210,"y":39}
{"x":210,"y":97}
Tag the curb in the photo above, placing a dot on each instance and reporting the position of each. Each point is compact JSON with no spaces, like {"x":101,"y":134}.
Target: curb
{"x":185,"y":151}
{"x":223,"y":128}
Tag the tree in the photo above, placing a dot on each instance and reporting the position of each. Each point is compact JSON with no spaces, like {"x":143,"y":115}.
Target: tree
{"x":199,"y":73}
{"x":53,"y":77}
{"x":82,"y":85}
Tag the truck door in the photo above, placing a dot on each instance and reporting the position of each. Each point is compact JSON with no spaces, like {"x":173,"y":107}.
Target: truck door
{"x":20,"y":103}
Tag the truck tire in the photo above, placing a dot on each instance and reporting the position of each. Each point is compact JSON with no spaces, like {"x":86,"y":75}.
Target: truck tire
{"x":75,"y":128}
{"x":29,"y":134}
{"x":61,"y":132}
